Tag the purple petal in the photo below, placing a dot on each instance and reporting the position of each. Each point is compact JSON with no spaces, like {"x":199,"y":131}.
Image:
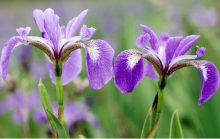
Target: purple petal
{"x":52,"y":27}
{"x":74,"y":24}
{"x":171,"y":47}
{"x":163,"y":39}
{"x":128,"y":70}
{"x":23,"y":32}
{"x":210,"y":79}
{"x":99,"y":63}
{"x":200,"y":51}
{"x":39,"y":19}
{"x":153,"y":41}
{"x":17,"y":117}
{"x":86,"y":33}
{"x":149,"y":71}
{"x":186,"y":44}
{"x":142,"y":41}
{"x":6,"y":53}
{"x":71,"y":68}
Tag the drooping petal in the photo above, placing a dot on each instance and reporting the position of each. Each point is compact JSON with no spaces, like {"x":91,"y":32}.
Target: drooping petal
{"x":210,"y":79}
{"x":74,"y":24}
{"x":128,"y":70}
{"x":6,"y":53}
{"x":153,"y":41}
{"x":99,"y":62}
{"x":86,"y":33}
{"x":186,"y":44}
{"x":171,"y":47}
{"x":52,"y":27}
{"x":142,"y":41}
{"x":71,"y":68}
{"x":149,"y":71}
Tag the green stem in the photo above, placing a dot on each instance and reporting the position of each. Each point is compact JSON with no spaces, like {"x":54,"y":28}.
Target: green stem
{"x":161,"y":86}
{"x":59,"y":91}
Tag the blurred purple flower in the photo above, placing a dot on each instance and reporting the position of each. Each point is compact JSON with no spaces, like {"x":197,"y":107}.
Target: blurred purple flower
{"x":20,"y":104}
{"x":203,"y":17}
{"x":162,"y":60}
{"x":74,"y":112}
{"x":61,"y":47}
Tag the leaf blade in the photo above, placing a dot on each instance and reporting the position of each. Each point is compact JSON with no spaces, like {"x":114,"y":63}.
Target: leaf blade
{"x":175,"y":126}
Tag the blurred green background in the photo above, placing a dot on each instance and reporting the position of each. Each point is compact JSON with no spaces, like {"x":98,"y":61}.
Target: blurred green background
{"x":118,"y":22}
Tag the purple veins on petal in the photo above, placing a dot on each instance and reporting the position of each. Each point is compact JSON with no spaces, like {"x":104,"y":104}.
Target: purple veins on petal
{"x":99,"y":59}
{"x":171,"y":47}
{"x":142,"y":40}
{"x":128,"y":70}
{"x":163,"y":39}
{"x":210,"y":79}
{"x":186,"y":44}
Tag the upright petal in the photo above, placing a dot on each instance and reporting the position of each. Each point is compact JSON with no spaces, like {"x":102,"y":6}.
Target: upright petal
{"x":6,"y":53}
{"x":153,"y":41}
{"x":163,"y":39}
{"x":149,"y":70}
{"x":39,"y":19}
{"x":142,"y":41}
{"x":99,"y":62}
{"x":186,"y":44}
{"x":74,"y":24}
{"x":171,"y":47}
{"x":71,"y":68}
{"x":128,"y":70}
{"x":210,"y":79}
{"x":86,"y":33}
{"x":52,"y":27}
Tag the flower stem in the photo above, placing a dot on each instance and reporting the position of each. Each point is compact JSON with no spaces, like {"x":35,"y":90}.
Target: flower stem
{"x":161,"y":86}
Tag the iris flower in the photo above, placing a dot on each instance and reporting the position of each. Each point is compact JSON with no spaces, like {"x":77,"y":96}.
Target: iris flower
{"x":61,"y":48}
{"x":162,"y":61}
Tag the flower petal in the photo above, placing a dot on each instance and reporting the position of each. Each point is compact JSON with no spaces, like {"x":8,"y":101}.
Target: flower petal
{"x":171,"y":47}
{"x":210,"y":79}
{"x":23,"y":32}
{"x":149,"y":70}
{"x":52,"y":27}
{"x":99,"y":62}
{"x":153,"y":41}
{"x":142,"y":41}
{"x":74,"y":24}
{"x":71,"y":68}
{"x":39,"y":19}
{"x":6,"y":53}
{"x":186,"y":44}
{"x":163,"y":39}
{"x":86,"y":33}
{"x":128,"y":70}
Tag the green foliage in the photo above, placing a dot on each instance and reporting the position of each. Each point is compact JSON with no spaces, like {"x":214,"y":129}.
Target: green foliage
{"x":175,"y":127}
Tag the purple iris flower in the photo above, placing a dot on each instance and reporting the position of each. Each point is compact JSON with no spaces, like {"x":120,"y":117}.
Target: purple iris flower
{"x":74,"y":112}
{"x":162,"y":60}
{"x":60,"y":46}
{"x":21,"y":104}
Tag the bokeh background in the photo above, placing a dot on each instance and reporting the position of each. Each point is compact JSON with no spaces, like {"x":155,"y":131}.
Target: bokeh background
{"x":117,"y":22}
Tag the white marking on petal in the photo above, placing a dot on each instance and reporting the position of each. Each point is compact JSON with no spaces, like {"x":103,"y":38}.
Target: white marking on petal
{"x":133,"y":58}
{"x":93,"y":50}
{"x":162,"y":55}
{"x":205,"y":70}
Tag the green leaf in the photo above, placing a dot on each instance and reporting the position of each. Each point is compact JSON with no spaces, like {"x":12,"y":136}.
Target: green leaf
{"x":175,"y":127}
{"x":46,"y":103}
{"x":150,"y":126}
{"x":60,"y":129}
